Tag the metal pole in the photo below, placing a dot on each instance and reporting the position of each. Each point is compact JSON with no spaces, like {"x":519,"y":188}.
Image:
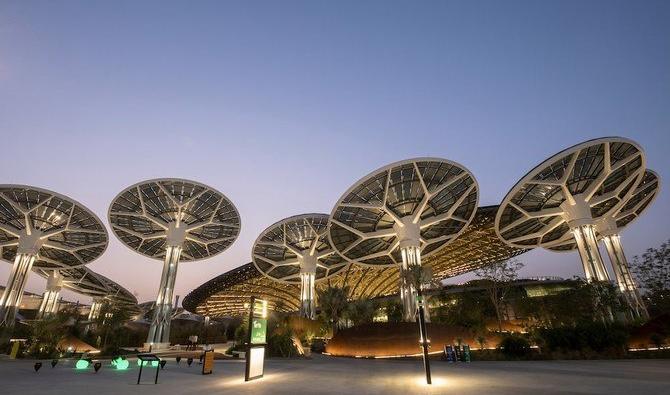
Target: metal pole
{"x":424,"y":336}
{"x":158,"y":367}
{"x":140,"y":375}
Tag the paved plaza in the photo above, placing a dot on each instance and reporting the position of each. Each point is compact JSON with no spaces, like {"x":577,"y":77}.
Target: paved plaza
{"x":329,"y":375}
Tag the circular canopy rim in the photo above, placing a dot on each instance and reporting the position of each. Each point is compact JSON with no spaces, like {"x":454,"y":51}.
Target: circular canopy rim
{"x":75,"y":203}
{"x":137,"y":184}
{"x":287,"y":220}
{"x":544,"y":164}
{"x":396,"y":164}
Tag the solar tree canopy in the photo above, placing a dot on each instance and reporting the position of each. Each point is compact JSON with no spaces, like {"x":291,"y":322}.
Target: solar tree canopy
{"x":85,"y":281}
{"x":429,"y":200}
{"x":284,"y":249}
{"x":578,"y":185}
{"x":145,"y":214}
{"x":60,"y":231}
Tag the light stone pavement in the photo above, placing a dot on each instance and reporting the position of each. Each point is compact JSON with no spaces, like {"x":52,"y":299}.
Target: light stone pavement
{"x":329,"y":375}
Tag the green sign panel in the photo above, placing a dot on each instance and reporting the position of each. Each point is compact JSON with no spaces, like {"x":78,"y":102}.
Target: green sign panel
{"x":259,"y":328}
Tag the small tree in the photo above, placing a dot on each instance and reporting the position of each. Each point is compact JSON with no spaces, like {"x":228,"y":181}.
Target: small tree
{"x":652,"y":271}
{"x":498,"y":279}
{"x":333,"y":301}
{"x":361,"y":311}
{"x":109,"y":322}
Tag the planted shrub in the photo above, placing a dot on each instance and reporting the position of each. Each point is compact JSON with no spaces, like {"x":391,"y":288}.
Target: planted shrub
{"x":514,"y":347}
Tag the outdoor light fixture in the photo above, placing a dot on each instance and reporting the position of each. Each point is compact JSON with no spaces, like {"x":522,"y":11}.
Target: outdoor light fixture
{"x":82,"y":364}
{"x":43,"y":230}
{"x":172,"y":220}
{"x":296,"y":250}
{"x":146,"y":363}
{"x":578,"y":196}
{"x":120,"y":363}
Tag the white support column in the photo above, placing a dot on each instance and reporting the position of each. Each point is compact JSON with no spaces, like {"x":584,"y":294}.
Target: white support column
{"x":96,"y":306}
{"x":11,"y":298}
{"x":50,"y":297}
{"x":307,"y":295}
{"x":411,"y":257}
{"x":594,"y":267}
{"x":159,"y":332}
{"x":577,"y":213}
{"x":624,"y":279}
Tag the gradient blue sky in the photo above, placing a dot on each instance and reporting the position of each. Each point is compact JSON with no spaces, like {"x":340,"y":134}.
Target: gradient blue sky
{"x":283,"y":105}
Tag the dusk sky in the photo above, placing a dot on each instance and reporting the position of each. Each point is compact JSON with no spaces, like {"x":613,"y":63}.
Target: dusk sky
{"x":282,"y":105}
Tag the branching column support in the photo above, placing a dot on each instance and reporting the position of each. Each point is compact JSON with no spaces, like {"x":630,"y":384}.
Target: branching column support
{"x":50,"y":297}
{"x":159,"y":333}
{"x":624,"y":279}
{"x":577,"y":213}
{"x":594,"y":267}
{"x":96,"y":306}
{"x":411,"y":257}
{"x":307,"y":295}
{"x":11,"y":298}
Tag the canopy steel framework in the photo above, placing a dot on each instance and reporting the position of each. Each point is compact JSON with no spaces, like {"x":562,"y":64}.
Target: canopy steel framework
{"x":226,"y":294}
{"x":401,"y":213}
{"x":44,"y":230}
{"x":172,"y":220}
{"x":561,"y":204}
{"x":296,"y":250}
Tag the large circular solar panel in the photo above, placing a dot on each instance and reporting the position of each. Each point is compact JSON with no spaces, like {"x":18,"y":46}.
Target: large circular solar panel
{"x":65,"y":232}
{"x":599,"y":172}
{"x":437,"y":194}
{"x":141,"y":215}
{"x":283,"y":247}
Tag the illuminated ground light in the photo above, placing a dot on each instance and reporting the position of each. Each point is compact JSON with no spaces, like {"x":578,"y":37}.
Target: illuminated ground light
{"x":120,"y":363}
{"x":82,"y":364}
{"x":436,"y":382}
{"x":153,"y":363}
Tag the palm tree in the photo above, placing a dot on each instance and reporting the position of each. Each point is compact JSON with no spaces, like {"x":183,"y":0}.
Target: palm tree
{"x":333,"y":301}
